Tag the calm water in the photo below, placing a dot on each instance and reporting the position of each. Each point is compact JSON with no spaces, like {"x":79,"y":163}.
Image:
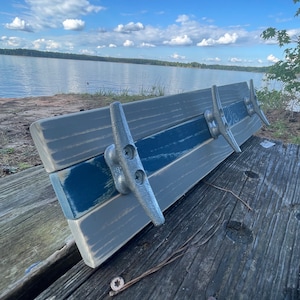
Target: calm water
{"x":31,"y":76}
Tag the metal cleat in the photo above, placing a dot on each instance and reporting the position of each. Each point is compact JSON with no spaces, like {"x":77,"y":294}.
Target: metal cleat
{"x":253,"y":106}
{"x":217,"y":122}
{"x":126,"y":167}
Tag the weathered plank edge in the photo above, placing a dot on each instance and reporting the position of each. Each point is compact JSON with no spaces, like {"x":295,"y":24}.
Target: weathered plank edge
{"x":41,"y":277}
{"x":98,"y":236}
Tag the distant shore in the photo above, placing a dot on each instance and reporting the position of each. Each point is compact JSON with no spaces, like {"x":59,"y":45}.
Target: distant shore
{"x":61,"y":55}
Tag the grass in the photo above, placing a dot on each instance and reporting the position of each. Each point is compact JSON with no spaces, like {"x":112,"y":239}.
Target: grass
{"x":280,"y":129}
{"x":7,"y":151}
{"x":13,"y":160}
{"x":295,"y":140}
{"x":23,"y":166}
{"x":105,"y":96}
{"x":284,"y":124}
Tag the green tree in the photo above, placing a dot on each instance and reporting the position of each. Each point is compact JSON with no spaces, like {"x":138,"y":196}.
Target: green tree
{"x":288,"y":70}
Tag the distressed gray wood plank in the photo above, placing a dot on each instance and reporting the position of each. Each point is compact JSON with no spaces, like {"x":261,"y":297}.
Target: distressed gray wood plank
{"x":32,"y":225}
{"x":214,"y":264}
{"x":66,"y":140}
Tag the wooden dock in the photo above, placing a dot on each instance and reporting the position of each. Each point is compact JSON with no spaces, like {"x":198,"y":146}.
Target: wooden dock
{"x":235,"y":235}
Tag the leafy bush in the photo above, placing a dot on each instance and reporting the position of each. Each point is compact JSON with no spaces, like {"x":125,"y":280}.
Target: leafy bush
{"x":287,"y":71}
{"x":273,"y":99}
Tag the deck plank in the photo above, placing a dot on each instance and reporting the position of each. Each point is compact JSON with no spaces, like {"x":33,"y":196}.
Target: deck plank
{"x":32,"y":226}
{"x":221,"y":260}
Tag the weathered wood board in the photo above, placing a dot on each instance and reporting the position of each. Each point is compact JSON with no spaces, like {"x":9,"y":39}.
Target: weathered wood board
{"x":177,"y":149}
{"x":32,"y":226}
{"x":234,"y":253}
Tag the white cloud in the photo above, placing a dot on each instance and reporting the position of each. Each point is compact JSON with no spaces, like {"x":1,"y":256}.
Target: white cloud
{"x":18,"y":24}
{"x":146,"y":45}
{"x":235,"y":59}
{"x":206,"y":42}
{"x":73,"y":24}
{"x":51,"y":13}
{"x":179,"y":41}
{"x":129,"y":27}
{"x":293,"y":34}
{"x":207,"y":20}
{"x":226,"y":39}
{"x":87,"y":52}
{"x":10,"y":41}
{"x":213,"y":59}
{"x":177,"y":56}
{"x":272,"y":58}
{"x":62,"y":8}
{"x":14,"y":42}
{"x":182,"y":19}
{"x":128,"y":43}
{"x":46,"y":44}
{"x":183,"y":31}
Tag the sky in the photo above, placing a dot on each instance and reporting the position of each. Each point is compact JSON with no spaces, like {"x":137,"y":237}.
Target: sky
{"x":210,"y":32}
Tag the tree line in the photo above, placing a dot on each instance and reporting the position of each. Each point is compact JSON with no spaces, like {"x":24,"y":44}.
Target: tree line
{"x":61,"y":55}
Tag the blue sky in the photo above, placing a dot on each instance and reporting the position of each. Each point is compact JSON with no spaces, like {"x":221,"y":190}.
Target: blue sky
{"x":222,"y":32}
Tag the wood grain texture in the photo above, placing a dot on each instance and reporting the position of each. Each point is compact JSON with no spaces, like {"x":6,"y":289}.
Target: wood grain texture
{"x":264,"y":267}
{"x":67,"y":140}
{"x":32,"y":226}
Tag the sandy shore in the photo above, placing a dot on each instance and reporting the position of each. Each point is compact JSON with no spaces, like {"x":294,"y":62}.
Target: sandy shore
{"x":17,"y":150}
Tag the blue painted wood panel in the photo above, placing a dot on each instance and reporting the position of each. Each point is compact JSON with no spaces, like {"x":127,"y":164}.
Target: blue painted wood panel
{"x":81,"y":187}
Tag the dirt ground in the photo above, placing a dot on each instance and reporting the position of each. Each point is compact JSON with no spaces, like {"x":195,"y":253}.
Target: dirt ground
{"x":17,"y":151}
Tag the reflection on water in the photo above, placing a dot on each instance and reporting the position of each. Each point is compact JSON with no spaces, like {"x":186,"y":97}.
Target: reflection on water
{"x":31,"y":76}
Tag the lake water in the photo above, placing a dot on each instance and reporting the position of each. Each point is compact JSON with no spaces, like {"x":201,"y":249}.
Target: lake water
{"x":31,"y":76}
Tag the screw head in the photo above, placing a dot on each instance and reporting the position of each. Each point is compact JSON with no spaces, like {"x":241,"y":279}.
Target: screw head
{"x":139,"y":176}
{"x":117,"y":283}
{"x":129,"y":151}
